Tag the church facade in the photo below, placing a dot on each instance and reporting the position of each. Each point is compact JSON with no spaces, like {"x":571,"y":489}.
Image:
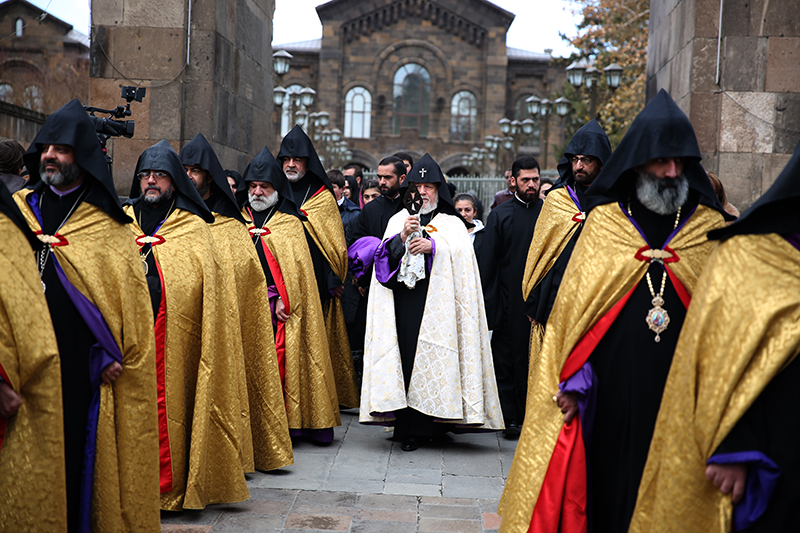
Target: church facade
{"x":421,"y":76}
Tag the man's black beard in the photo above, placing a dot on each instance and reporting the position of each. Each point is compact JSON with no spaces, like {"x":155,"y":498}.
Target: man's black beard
{"x":391,"y":192}
{"x":155,"y":201}
{"x":204,"y":187}
{"x":663,"y":196}
{"x":67,"y":174}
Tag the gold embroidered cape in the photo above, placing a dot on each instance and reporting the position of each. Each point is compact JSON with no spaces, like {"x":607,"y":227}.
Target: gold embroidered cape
{"x":33,"y":488}
{"x":263,"y":413}
{"x":201,"y":379}
{"x":554,"y":228}
{"x":742,"y":329}
{"x":309,"y":388}
{"x":602,"y":270}
{"x":101,"y":261}
{"x":325,"y":227}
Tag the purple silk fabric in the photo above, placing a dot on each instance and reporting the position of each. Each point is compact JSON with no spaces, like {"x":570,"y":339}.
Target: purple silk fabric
{"x":384,"y":272}
{"x":101,"y":355}
{"x":272,"y":290}
{"x":794,"y":239}
{"x":584,"y":384}
{"x":762,"y":476}
{"x":324,"y":435}
{"x":362,"y":254}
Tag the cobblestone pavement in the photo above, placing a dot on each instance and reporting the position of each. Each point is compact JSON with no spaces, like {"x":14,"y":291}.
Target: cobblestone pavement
{"x":364,"y":483}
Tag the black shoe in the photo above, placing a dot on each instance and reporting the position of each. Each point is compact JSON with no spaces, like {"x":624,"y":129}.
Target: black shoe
{"x":410,"y":444}
{"x":512,"y":430}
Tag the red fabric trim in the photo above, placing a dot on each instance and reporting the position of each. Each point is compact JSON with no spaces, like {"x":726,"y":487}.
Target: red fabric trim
{"x":589,"y":342}
{"x":319,"y":191}
{"x":62,"y":241}
{"x":165,"y":455}
{"x":640,"y":255}
{"x":280,"y":330}
{"x":152,"y":240}
{"x":683,"y":294}
{"x":3,"y":420}
{"x":561,"y":505}
{"x":579,"y":217}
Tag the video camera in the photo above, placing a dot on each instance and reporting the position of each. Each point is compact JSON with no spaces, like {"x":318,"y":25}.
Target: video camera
{"x":106,"y":127}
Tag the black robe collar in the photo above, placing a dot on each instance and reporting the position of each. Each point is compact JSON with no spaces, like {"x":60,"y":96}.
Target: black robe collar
{"x":199,"y":152}
{"x":71,"y":126}
{"x":162,"y":157}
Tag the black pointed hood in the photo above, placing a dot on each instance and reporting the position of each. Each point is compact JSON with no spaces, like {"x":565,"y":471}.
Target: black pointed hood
{"x":426,"y":170}
{"x":777,"y":211}
{"x":297,"y":144}
{"x":199,"y":152}
{"x":264,"y":167}
{"x":161,"y":156}
{"x":10,"y":209}
{"x":71,"y":125}
{"x":591,"y":140}
{"x":661,"y":129}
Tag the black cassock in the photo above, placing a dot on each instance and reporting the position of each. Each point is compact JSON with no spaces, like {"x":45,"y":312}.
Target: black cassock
{"x":509,"y":232}
{"x":409,"y":306}
{"x":631,"y":371}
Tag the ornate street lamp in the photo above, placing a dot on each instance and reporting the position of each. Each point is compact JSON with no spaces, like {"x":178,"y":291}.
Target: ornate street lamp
{"x":533,"y":104}
{"x":613,"y":75}
{"x":307,"y":96}
{"x":505,"y":125}
{"x":278,"y":95}
{"x":562,"y":106}
{"x":575,"y":72}
{"x":280,"y":62}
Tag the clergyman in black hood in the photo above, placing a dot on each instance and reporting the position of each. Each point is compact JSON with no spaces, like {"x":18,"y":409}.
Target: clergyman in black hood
{"x":95,"y":291}
{"x":265,"y":419}
{"x":617,"y":317}
{"x":313,"y":195}
{"x":199,"y":378}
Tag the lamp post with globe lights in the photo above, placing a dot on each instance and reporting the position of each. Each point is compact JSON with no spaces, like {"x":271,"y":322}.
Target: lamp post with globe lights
{"x":583,"y":73}
{"x":542,"y":110}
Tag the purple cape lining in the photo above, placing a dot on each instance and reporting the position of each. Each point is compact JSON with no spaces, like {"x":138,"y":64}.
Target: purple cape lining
{"x":762,"y":476}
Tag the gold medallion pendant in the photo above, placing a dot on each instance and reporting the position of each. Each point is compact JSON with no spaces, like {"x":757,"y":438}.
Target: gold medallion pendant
{"x":657,"y":318}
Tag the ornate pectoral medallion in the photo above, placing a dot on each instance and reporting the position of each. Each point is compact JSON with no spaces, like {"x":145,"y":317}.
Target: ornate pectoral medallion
{"x":657,"y":318}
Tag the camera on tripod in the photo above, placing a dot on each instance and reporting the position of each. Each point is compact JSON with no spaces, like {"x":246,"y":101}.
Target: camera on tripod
{"x":108,"y":127}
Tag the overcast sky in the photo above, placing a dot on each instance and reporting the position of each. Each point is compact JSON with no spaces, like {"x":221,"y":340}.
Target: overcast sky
{"x":535,"y":27}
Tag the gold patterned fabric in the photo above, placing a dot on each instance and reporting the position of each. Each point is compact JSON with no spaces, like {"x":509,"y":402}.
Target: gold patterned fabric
{"x":201,"y":378}
{"x":33,"y":488}
{"x":602,"y":270}
{"x":309,"y":386}
{"x":554,"y":229}
{"x":101,"y":261}
{"x":325,"y":227}
{"x":741,"y":330}
{"x":265,"y":430}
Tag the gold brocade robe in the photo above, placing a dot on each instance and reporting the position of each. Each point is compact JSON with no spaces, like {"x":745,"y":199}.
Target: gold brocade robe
{"x":101,"y":261}
{"x":201,"y":379}
{"x":309,"y":385}
{"x":324,"y":224}
{"x":602,"y":270}
{"x":555,"y":227}
{"x":742,"y":329}
{"x":33,"y":488}
{"x":265,"y":432}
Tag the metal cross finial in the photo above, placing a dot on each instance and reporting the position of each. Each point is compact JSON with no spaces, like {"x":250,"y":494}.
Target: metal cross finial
{"x":422,"y":172}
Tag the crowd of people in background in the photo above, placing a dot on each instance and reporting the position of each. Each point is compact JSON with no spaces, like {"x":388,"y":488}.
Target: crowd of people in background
{"x":157,"y":350}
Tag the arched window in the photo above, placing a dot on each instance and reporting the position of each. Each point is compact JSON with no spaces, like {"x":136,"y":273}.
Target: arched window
{"x":19,"y":24}
{"x":357,"y":111}
{"x":521,"y":113}
{"x":463,"y":117}
{"x":6,"y":92}
{"x":287,"y":121}
{"x":33,"y":98}
{"x":412,"y":94}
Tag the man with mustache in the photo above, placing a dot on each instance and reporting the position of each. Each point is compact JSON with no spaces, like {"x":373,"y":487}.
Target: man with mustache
{"x":97,"y":299}
{"x":312,"y":193}
{"x":199,"y":408}
{"x":596,"y":385}
{"x":509,"y":230}
{"x":276,"y":229}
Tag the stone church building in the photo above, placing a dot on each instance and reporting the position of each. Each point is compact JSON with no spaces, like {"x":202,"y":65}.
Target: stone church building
{"x":420,"y":76}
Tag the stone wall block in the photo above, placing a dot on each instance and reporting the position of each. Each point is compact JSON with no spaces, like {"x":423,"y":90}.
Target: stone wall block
{"x":787,"y":122}
{"x":773,"y":166}
{"x":704,"y":65}
{"x":746,"y":122}
{"x":244,"y":125}
{"x":781,"y":18}
{"x":149,"y":53}
{"x":223,"y":62}
{"x":107,"y":12}
{"x":125,"y":153}
{"x":197,"y":117}
{"x":166,"y":103}
{"x":262,"y":128}
{"x":704,"y":114}
{"x":682,"y":72}
{"x":736,"y":18}
{"x":249,"y":30}
{"x":743,"y":63}
{"x":706,"y":18}
{"x":203,"y":15}
{"x":160,"y":14}
{"x":741,"y":174}
{"x":201,"y":56}
{"x":783,"y":58}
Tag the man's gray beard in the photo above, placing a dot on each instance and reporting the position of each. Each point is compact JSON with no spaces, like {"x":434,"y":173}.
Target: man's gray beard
{"x":260,"y":203}
{"x":431,"y":206}
{"x":297,"y":177}
{"x":155,"y":201}
{"x":663,"y":196}
{"x":68,"y":175}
